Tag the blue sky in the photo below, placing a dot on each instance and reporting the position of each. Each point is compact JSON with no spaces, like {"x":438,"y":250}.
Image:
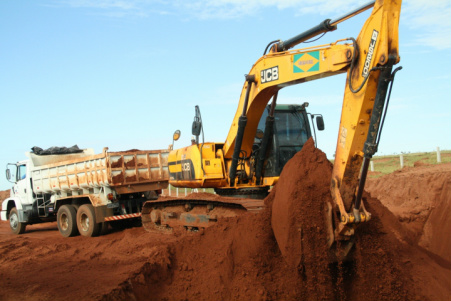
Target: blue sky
{"x":126,"y":74}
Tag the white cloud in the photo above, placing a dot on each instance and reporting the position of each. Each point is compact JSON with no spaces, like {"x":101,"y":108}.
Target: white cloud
{"x":103,"y":4}
{"x":431,"y":20}
{"x":230,"y":9}
{"x":213,"y":9}
{"x":119,"y":8}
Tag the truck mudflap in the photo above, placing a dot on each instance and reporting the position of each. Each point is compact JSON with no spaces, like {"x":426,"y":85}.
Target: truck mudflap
{"x":194,"y":212}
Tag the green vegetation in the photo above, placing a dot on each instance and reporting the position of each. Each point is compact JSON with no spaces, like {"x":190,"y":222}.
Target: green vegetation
{"x":387,"y":164}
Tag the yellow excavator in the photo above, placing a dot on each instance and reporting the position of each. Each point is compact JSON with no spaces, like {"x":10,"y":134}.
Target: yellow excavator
{"x":237,"y":168}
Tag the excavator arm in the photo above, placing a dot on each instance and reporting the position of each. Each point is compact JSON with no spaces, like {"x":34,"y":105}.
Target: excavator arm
{"x":368,"y":61}
{"x":363,"y":111}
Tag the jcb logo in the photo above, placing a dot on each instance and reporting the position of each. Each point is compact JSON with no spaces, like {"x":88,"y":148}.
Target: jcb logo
{"x":269,"y":75}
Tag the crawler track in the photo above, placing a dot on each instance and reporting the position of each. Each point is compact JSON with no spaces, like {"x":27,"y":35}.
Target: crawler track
{"x":195,"y":211}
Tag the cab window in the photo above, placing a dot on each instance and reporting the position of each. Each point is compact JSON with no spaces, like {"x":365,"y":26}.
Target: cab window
{"x":291,"y":130}
{"x":22,"y":172}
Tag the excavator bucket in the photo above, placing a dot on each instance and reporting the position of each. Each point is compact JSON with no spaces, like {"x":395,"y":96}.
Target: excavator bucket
{"x":338,"y":249}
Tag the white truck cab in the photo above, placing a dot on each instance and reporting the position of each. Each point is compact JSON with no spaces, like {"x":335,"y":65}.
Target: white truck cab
{"x":21,"y":196}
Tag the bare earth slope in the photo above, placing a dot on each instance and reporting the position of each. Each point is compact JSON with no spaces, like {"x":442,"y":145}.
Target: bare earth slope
{"x":421,"y":199}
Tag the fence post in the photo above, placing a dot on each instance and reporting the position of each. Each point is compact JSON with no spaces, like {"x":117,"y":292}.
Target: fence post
{"x":439,"y":158}
{"x":177,"y":192}
{"x":185,"y":191}
{"x":169,"y":190}
{"x":371,"y":165}
{"x":401,"y":159}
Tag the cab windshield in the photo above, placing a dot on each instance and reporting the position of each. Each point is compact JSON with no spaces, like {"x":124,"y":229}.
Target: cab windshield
{"x":291,"y":131}
{"x":291,"y":128}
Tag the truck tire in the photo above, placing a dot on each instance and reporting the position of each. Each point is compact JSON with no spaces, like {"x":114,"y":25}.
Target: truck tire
{"x":16,"y":226}
{"x":66,"y":220}
{"x":86,"y":221}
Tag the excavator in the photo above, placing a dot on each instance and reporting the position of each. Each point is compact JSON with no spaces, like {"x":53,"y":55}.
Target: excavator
{"x":237,"y":168}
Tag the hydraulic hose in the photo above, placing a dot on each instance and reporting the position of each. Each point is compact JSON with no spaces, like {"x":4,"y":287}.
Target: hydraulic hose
{"x":242,"y":121}
{"x":269,"y":131}
{"x":371,"y":144}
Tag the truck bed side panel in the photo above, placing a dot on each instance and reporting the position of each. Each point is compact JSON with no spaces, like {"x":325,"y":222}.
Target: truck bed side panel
{"x":130,"y":171}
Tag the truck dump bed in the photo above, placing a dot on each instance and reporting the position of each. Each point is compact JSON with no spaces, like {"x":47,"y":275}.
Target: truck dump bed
{"x":125,"y":172}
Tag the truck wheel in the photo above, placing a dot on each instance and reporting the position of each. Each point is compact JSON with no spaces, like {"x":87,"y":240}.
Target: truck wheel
{"x":16,"y":226}
{"x":86,"y":221}
{"x":66,"y":220}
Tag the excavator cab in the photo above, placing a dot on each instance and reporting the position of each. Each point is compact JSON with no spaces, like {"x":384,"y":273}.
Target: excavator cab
{"x":291,"y":130}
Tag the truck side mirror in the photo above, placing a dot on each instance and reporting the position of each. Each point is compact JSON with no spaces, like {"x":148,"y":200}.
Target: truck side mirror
{"x":176,"y":135}
{"x":320,"y":123}
{"x":11,"y":170}
{"x":197,"y":125}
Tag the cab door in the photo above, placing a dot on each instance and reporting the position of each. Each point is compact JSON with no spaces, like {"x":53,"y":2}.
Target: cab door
{"x":22,"y":187}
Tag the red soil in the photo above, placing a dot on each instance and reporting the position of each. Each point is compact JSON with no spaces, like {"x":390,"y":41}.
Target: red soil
{"x":420,"y":197}
{"x":4,"y":195}
{"x":298,"y":220}
{"x":237,"y":259}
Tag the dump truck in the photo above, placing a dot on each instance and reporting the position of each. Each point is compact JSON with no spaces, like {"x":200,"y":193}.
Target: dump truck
{"x":81,"y":190}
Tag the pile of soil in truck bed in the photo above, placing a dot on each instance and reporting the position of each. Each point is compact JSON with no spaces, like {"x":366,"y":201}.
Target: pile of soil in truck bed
{"x":237,"y":259}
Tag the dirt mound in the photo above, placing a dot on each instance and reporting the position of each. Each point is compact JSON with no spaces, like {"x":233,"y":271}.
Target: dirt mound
{"x":389,"y":266}
{"x":298,"y":219}
{"x":240,"y":259}
{"x":420,"y":197}
{"x":237,"y":259}
{"x":4,"y":195}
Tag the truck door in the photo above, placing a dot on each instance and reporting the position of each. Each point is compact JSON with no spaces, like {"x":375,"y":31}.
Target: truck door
{"x":22,"y":187}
